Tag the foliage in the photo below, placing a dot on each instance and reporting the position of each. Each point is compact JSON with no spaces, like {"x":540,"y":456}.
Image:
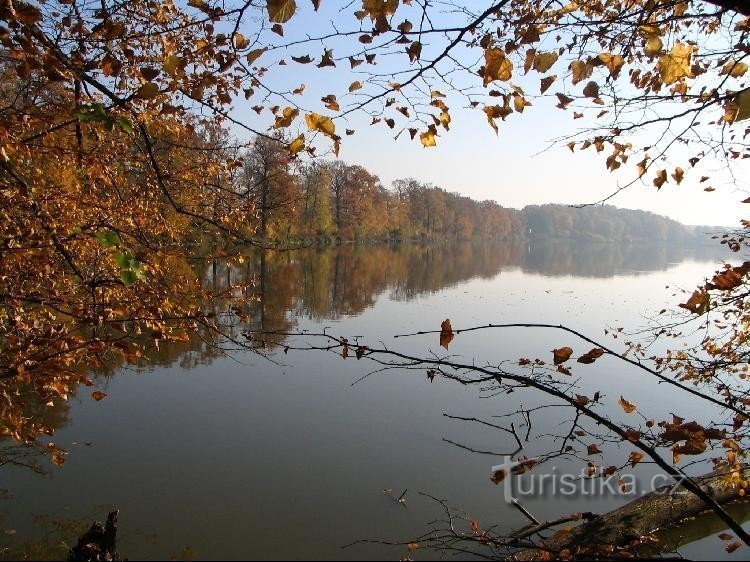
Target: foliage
{"x":117,"y":166}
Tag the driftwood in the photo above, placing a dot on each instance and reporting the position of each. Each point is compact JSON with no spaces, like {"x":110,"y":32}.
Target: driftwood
{"x":98,"y":544}
{"x":627,"y":525}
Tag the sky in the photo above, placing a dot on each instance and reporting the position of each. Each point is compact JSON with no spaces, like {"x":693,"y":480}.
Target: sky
{"x":520,"y":166}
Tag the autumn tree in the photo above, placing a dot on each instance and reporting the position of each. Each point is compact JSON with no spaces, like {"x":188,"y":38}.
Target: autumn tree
{"x":316,"y":212}
{"x":110,"y":163}
{"x":270,"y":186}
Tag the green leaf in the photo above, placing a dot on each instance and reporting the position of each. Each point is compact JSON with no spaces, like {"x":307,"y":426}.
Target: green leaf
{"x":122,"y":259}
{"x":125,"y":125}
{"x":128,"y":277}
{"x":95,"y":113}
{"x":109,"y":238}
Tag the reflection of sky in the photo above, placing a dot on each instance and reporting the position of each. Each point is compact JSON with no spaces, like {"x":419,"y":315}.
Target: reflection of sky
{"x":292,"y":456}
{"x":513,"y":169}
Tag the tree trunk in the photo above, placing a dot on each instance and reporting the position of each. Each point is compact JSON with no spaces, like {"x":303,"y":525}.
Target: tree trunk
{"x":636,"y":519}
{"x":98,"y":543}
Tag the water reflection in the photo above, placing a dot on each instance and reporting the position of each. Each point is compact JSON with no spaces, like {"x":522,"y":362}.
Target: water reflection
{"x":270,"y":291}
{"x":236,"y":446}
{"x":327,"y":283}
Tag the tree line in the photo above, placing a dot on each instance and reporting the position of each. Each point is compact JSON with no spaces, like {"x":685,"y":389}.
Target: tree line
{"x":333,"y":200}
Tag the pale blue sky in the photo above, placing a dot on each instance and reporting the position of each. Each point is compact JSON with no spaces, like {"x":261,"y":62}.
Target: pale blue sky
{"x":513,"y":168}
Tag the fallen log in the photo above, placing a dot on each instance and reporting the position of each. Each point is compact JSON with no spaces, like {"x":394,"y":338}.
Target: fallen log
{"x":626,"y":526}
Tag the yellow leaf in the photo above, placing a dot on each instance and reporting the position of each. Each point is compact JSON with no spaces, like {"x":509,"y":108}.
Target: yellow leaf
{"x":280,"y":11}
{"x":285,"y":119}
{"x":428,"y":138}
{"x":676,"y":64}
{"x":519,"y":103}
{"x":734,"y":69}
{"x":240,"y":41}
{"x":580,"y":70}
{"x":320,"y":123}
{"x":544,"y":61}
{"x":297,"y":145}
{"x":628,"y":407}
{"x":171,"y":65}
{"x":496,"y":66}
{"x":58,"y":457}
{"x":612,"y":62}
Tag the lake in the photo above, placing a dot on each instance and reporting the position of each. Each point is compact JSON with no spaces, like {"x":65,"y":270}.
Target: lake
{"x":286,"y":454}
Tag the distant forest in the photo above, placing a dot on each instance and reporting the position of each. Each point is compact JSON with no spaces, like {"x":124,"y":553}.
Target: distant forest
{"x":336,"y":201}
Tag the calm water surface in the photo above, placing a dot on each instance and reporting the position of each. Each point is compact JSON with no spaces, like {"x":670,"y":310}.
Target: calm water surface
{"x":243,"y":456}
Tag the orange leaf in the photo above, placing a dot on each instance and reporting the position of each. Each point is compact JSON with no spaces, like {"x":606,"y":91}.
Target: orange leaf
{"x":446,"y":333}
{"x":635,"y":457}
{"x":561,"y":355}
{"x":629,"y":407}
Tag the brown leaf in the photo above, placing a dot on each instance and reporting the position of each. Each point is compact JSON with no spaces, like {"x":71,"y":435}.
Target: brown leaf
{"x":593,"y":449}
{"x":591,"y":90}
{"x":547,"y":82}
{"x":280,"y":11}
{"x":414,"y":51}
{"x":727,"y":280}
{"x":561,"y":355}
{"x":731,"y":547}
{"x":697,"y":303}
{"x":499,"y":476}
{"x":660,"y":179}
{"x":303,"y":59}
{"x":446,"y":333}
{"x":98,"y":395}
